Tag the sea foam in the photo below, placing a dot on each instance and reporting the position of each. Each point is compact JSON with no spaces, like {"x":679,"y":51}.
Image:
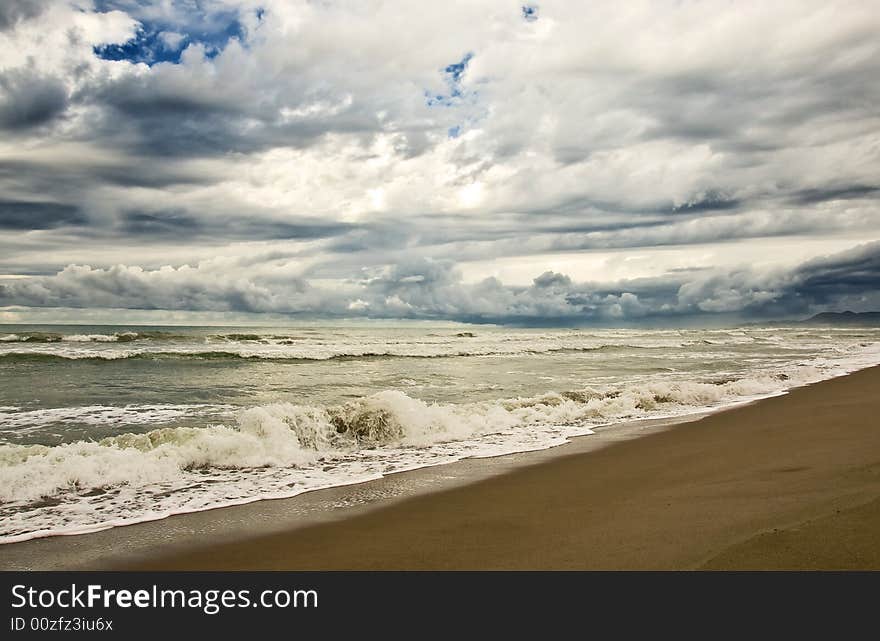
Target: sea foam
{"x":283,"y":449}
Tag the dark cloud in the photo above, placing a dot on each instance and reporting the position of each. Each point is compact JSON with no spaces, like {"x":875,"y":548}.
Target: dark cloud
{"x":68,"y":178}
{"x":713,"y":200}
{"x":28,"y":100}
{"x":850,"y":279}
{"x":166,"y":115}
{"x":185,"y":227}
{"x":851,"y":192}
{"x":26,"y":215}
{"x":849,"y":274}
{"x":177,"y":125}
{"x":171,"y":223}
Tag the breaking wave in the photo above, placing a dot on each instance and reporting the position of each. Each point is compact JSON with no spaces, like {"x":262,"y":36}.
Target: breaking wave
{"x":117,"y":337}
{"x":286,"y":435}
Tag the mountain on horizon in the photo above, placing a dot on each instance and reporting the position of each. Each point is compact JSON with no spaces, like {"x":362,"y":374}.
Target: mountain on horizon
{"x":844,"y":318}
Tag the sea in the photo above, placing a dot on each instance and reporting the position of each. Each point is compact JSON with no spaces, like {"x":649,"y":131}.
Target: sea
{"x":103,"y":426}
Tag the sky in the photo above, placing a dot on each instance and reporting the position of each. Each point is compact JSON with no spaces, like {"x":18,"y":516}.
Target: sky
{"x":541,"y":163}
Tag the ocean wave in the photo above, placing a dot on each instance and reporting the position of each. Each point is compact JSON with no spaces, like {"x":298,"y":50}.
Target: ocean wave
{"x":279,"y":353}
{"x":15,"y":420}
{"x":32,"y":337}
{"x":122,"y":337}
{"x":203,"y":356}
{"x":38,"y":356}
{"x":117,"y":337}
{"x":289,"y":435}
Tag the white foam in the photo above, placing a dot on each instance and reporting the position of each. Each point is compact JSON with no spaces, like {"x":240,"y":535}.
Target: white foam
{"x":91,"y":338}
{"x":19,"y":421}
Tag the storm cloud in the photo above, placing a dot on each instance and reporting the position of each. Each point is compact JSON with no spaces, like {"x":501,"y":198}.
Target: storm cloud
{"x":28,"y":101}
{"x":435,"y":290}
{"x":482,"y":161}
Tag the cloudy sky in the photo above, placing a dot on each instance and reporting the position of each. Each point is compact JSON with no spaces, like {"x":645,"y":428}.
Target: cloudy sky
{"x":476,"y":160}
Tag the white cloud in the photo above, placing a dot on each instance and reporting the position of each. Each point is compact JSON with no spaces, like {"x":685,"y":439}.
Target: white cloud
{"x":603,"y":141}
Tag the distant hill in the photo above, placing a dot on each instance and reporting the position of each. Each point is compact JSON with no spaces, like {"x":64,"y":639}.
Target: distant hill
{"x":845,"y":318}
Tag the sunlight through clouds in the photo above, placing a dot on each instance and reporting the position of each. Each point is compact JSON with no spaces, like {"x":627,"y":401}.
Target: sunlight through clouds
{"x":639,"y":152}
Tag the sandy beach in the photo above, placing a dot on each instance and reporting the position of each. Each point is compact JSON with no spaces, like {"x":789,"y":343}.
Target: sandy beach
{"x":790,"y":482}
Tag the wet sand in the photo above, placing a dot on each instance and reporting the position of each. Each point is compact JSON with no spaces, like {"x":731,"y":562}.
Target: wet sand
{"x":790,"y":482}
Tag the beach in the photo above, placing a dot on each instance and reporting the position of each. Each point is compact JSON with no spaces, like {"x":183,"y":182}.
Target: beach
{"x":788,"y":482}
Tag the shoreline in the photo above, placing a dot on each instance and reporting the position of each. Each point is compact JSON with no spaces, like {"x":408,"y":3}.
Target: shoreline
{"x":241,"y":535}
{"x":143,"y":540}
{"x":714,"y":492}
